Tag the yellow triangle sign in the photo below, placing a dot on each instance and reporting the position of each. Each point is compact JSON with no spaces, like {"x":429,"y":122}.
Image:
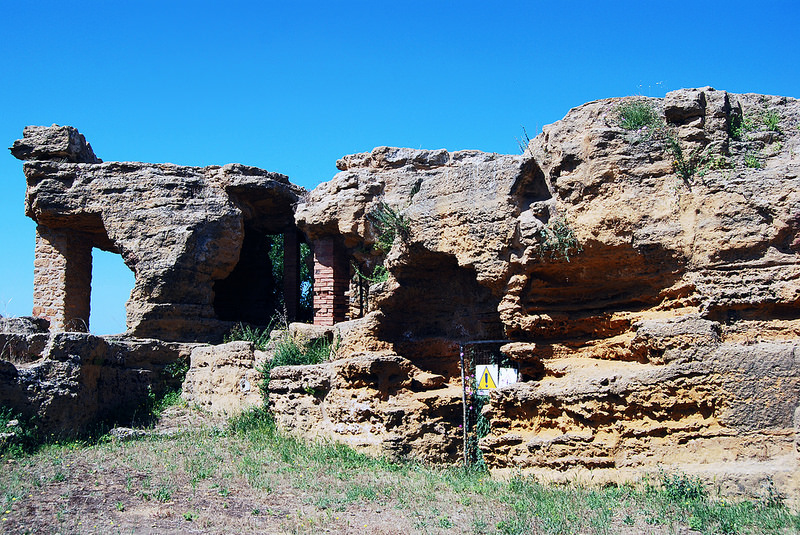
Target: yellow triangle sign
{"x":486,"y":382}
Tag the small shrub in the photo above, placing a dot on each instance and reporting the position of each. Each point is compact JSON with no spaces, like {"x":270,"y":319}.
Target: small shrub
{"x":771,"y":120}
{"x":379,"y":274}
{"x":246,"y":333}
{"x":177,"y":370}
{"x":17,"y":435}
{"x":636,"y":114}
{"x":752,"y":161}
{"x":389,"y":223}
{"x":558,"y":241}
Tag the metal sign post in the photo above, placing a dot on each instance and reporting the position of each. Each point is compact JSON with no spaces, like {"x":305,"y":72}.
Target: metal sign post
{"x":464,"y":419}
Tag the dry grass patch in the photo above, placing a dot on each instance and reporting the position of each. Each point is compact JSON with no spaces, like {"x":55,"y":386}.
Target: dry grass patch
{"x":246,"y":477}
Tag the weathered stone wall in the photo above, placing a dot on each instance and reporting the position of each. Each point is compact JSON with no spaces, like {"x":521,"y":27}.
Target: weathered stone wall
{"x":179,"y":229}
{"x":671,"y":340}
{"x":62,"y":278}
{"x":74,"y":383}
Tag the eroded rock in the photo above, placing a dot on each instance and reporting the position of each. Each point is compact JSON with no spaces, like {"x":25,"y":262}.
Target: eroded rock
{"x":73,"y":383}
{"x":669,"y":336}
{"x":183,"y":231}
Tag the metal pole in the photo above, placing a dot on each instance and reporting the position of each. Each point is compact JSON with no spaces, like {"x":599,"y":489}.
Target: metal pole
{"x":463,"y":405}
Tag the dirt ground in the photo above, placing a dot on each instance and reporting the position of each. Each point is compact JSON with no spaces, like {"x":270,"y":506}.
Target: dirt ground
{"x":209,"y":481}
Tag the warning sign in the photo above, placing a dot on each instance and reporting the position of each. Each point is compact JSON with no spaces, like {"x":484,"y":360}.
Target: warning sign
{"x":487,"y":378}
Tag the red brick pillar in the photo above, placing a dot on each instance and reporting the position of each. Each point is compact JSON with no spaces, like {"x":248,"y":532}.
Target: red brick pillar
{"x":331,"y":281}
{"x":291,"y":273}
{"x":62,"y":279}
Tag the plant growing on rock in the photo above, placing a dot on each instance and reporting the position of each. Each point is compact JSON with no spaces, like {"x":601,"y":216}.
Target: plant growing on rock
{"x":740,"y":125}
{"x":751,"y":160}
{"x":637,"y":114}
{"x":771,"y":120}
{"x":558,"y":241}
{"x":245,"y":333}
{"x":685,"y":166}
{"x":389,"y":223}
{"x":379,"y":274}
{"x":290,"y":351}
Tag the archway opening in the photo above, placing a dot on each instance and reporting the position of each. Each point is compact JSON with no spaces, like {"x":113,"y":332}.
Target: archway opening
{"x":112,"y":282}
{"x":254,"y":292}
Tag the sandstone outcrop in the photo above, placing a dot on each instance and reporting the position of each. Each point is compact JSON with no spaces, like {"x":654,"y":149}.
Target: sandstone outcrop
{"x":73,"y":383}
{"x":647,"y":282}
{"x":379,"y":403}
{"x":224,"y":379}
{"x":192,"y":236}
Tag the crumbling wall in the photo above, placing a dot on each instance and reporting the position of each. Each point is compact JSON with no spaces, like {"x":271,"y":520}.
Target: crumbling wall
{"x":651,"y":294}
{"x":179,"y":229}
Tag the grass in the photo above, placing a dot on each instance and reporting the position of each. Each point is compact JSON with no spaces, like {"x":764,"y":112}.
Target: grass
{"x":246,"y":333}
{"x":637,"y":114}
{"x":250,"y":476}
{"x":292,"y":352}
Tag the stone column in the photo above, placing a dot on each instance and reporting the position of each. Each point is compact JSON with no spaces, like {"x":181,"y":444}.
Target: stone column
{"x":291,"y":273}
{"x":62,"y":278}
{"x":331,"y":281}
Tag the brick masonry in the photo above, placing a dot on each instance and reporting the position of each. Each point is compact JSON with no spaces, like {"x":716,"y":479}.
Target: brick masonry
{"x":62,"y":278}
{"x":331,"y":282}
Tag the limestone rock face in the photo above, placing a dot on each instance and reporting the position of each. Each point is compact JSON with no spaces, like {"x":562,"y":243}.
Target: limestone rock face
{"x":647,"y":282}
{"x":224,"y":379}
{"x":57,"y":143}
{"x":72,"y":382}
{"x":376,"y":402}
{"x":181,"y":230}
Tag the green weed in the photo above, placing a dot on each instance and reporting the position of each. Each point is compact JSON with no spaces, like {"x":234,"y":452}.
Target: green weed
{"x":685,"y":166}
{"x":18,"y":435}
{"x":771,"y":120}
{"x":740,"y":126}
{"x":163,"y":494}
{"x":389,"y":223}
{"x":637,"y":114}
{"x":246,"y":333}
{"x":752,"y":161}
{"x":557,"y":240}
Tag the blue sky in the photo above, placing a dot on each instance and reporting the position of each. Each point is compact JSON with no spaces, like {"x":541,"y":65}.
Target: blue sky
{"x":292,"y":86}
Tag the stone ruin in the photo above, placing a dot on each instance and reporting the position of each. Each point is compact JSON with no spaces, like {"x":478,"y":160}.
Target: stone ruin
{"x":650,"y":298}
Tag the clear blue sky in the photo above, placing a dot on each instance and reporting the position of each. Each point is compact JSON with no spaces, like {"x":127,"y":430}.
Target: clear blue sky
{"x":292,"y":86}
